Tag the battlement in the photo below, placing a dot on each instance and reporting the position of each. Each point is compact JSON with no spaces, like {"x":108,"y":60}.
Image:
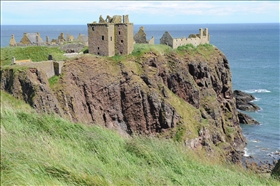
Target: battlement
{"x":110,"y":36}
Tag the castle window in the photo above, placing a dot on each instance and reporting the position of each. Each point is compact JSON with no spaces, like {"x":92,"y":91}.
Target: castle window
{"x":92,"y":28}
{"x":97,"y":48}
{"x":121,"y":41}
{"x":119,"y":32}
{"x":111,"y":38}
{"x":102,"y":37}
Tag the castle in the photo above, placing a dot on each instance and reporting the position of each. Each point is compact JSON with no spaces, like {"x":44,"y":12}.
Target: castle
{"x":196,"y":39}
{"x":111,"y":36}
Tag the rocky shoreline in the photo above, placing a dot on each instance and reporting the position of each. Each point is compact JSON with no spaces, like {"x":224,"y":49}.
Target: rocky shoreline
{"x":244,"y":103}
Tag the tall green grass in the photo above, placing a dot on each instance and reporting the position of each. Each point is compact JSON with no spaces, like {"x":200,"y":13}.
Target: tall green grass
{"x":46,"y":150}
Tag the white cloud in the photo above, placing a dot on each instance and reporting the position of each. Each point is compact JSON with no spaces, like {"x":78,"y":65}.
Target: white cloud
{"x":166,"y":9}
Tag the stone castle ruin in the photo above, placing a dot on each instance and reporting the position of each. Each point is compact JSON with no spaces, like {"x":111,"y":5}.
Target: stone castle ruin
{"x":111,"y":36}
{"x":31,"y":39}
{"x":140,"y":37}
{"x":34,"y":39}
{"x":202,"y":38}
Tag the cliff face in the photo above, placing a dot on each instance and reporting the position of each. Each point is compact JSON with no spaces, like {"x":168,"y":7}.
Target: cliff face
{"x":183,"y":96}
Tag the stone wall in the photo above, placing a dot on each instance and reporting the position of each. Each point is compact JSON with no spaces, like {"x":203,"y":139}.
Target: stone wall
{"x":101,"y":39}
{"x":167,"y":39}
{"x":195,"y":39}
{"x":51,"y":68}
{"x":76,"y":47}
{"x":151,"y":41}
{"x":140,"y":37}
{"x":13,"y":41}
{"x":124,"y":38}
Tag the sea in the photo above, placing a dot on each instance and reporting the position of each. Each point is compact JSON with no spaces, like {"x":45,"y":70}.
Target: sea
{"x":253,"y":54}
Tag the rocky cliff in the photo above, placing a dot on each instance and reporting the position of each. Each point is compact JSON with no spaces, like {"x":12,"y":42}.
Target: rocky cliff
{"x":182,"y":95}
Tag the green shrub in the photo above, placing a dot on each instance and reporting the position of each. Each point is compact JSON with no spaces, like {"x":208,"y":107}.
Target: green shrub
{"x":53,"y":81}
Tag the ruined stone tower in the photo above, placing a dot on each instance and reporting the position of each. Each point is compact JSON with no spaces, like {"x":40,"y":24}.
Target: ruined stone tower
{"x":110,"y":36}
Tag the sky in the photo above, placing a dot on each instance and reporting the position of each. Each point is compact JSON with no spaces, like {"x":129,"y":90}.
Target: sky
{"x":140,"y":12}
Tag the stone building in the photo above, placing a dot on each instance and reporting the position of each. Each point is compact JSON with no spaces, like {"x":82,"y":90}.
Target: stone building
{"x":140,"y":37}
{"x":61,"y":39}
{"x":31,"y":39}
{"x":202,"y":38}
{"x":13,"y":41}
{"x":111,"y":36}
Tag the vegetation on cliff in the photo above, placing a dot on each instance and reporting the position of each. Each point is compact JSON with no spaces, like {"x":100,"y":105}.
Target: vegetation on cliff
{"x":184,"y":94}
{"x":40,"y":149}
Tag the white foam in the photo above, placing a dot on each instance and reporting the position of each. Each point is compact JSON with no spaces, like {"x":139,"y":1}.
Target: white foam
{"x":257,"y":91}
{"x":246,"y":154}
{"x":256,"y":99}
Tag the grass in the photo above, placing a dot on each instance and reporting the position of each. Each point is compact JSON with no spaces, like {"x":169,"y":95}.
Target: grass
{"x":206,"y":50}
{"x":140,"y":49}
{"x":53,"y":81}
{"x":35,"y":53}
{"x":46,"y":150}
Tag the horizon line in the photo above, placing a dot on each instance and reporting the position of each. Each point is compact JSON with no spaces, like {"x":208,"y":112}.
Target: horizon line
{"x":141,"y":24}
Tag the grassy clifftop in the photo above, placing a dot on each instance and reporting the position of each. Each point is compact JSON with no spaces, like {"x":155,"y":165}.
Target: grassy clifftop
{"x":35,"y":53}
{"x":46,"y":150}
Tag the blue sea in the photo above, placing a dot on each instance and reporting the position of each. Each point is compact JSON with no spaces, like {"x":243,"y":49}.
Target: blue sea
{"x":253,"y":54}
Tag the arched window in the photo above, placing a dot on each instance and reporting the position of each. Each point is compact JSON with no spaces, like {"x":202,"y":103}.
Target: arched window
{"x":102,"y":37}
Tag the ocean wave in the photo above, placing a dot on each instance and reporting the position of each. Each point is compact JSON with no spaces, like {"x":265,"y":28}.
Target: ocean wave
{"x":256,"y":99}
{"x":250,"y":91}
{"x":246,"y":154}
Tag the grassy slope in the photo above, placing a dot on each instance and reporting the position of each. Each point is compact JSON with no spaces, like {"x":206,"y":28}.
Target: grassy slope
{"x":35,"y":53}
{"x":45,"y":150}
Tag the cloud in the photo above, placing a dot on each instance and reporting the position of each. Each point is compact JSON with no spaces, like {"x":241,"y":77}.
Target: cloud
{"x":162,"y":9}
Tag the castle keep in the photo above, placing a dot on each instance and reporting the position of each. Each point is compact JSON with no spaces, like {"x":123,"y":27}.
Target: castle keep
{"x":110,"y":36}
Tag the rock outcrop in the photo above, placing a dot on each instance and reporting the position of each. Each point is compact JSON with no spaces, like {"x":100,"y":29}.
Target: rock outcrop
{"x":32,"y":86}
{"x":245,"y":119}
{"x":243,"y":101}
{"x":186,"y":96}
